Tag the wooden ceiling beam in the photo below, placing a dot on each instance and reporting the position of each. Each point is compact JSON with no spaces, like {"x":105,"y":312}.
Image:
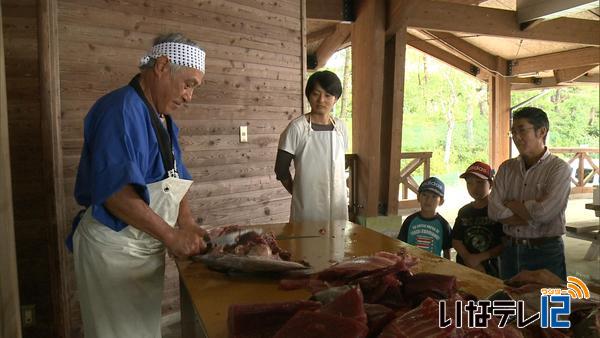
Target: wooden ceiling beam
{"x":466,"y":2}
{"x":330,"y":10}
{"x":450,"y":17}
{"x":567,"y":59}
{"x":320,"y":34}
{"x":531,"y":10}
{"x":571,"y":74}
{"x":331,"y":44}
{"x":471,"y":52}
{"x":549,"y":82}
{"x":447,"y":57}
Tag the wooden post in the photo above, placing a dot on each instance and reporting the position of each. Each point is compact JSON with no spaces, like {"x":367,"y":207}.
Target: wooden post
{"x":53,"y":164}
{"x":10,"y":319}
{"x":368,"y":48}
{"x":303,"y":61}
{"x":499,"y":101}
{"x":580,"y":180}
{"x":397,"y":118}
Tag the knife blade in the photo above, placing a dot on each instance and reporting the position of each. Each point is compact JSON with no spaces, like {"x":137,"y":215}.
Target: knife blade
{"x":229,"y":238}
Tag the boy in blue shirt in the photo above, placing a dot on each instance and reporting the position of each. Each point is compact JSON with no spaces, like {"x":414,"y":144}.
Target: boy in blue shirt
{"x":427,"y":229}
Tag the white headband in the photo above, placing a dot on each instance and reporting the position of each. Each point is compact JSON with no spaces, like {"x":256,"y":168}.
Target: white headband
{"x":178,"y":53}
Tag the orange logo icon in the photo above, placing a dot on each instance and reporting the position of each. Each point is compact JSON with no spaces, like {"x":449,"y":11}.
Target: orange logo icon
{"x":577,"y":289}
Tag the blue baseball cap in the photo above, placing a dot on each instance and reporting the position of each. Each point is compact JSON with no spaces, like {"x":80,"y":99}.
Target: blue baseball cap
{"x":434,"y":185}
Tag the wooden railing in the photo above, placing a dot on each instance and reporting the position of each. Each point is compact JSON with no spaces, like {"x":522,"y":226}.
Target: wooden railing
{"x":352,"y":183}
{"x":582,"y":175}
{"x":407,"y":181}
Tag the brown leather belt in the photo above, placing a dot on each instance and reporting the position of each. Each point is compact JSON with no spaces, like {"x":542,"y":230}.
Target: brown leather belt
{"x":531,"y":242}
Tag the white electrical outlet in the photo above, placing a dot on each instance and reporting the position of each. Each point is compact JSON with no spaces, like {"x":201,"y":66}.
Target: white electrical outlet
{"x":243,"y":134}
{"x":28,"y":315}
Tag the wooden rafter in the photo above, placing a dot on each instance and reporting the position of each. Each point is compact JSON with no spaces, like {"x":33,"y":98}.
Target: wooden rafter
{"x":475,"y":54}
{"x":449,"y":17}
{"x":329,"y":10}
{"x":567,"y":59}
{"x":466,"y":2}
{"x":447,"y":57}
{"x":571,"y":74}
{"x":332,"y":43}
{"x":530,"y":10}
{"x":548,"y":82}
{"x":320,"y":34}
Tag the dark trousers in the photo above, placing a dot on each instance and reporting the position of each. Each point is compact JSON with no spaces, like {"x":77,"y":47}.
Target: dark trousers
{"x":518,"y":257}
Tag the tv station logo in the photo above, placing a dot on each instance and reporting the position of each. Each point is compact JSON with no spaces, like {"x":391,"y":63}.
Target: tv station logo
{"x":555,"y":306}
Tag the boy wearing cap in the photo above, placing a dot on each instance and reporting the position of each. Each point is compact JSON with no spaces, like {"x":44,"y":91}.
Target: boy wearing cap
{"x":476,"y":239}
{"x":426,"y":229}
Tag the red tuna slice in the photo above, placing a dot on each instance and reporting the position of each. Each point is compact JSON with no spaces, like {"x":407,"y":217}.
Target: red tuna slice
{"x":349,"y":305}
{"x":307,"y":324}
{"x":421,"y":322}
{"x":263,"y":320}
{"x":423,"y":285}
{"x":365,"y":265}
{"x":378,"y":317}
{"x":315,"y":285}
{"x":376,"y":285}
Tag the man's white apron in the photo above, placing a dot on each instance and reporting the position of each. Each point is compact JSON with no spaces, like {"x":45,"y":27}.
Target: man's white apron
{"x":319,"y":192}
{"x":120,"y":274}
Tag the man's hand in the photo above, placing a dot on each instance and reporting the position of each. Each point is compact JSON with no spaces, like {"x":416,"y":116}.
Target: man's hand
{"x":518,"y":209}
{"x":480,"y":268}
{"x":188,"y":241}
{"x":514,"y":220}
{"x":474,"y":260}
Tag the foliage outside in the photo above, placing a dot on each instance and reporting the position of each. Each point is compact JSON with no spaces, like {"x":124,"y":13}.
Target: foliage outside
{"x":573,"y":113}
{"x":446,"y":112}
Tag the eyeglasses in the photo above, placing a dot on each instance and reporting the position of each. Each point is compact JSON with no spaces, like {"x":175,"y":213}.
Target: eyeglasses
{"x":519,"y":131}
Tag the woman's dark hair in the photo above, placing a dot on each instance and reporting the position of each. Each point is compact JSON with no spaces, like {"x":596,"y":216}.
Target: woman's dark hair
{"x":327,"y":80}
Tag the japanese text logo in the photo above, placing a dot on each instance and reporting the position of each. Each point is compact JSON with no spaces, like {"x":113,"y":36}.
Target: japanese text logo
{"x":555,"y":307}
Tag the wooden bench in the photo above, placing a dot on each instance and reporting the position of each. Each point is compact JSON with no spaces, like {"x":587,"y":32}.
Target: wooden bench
{"x":587,"y":231}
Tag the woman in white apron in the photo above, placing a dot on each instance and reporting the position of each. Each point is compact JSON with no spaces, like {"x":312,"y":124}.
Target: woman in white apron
{"x":133,"y":184}
{"x":317,"y":144}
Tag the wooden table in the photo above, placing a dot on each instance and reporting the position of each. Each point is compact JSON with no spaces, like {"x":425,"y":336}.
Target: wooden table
{"x":595,"y":207}
{"x":206,"y":295}
{"x":588,"y":232}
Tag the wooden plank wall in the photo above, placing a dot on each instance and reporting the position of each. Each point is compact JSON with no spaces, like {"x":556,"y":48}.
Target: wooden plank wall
{"x":253,"y":78}
{"x":19,"y":20}
{"x":10,"y":320}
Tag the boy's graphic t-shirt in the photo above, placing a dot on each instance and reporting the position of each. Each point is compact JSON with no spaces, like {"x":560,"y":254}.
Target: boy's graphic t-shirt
{"x":478,"y":233}
{"x":430,"y":234}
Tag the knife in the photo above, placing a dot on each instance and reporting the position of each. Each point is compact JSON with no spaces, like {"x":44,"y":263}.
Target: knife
{"x":228,"y":238}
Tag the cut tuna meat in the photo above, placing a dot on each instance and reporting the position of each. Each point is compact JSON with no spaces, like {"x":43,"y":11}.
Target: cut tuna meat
{"x":377,"y":285}
{"x":307,"y":324}
{"x":378,"y":316}
{"x":349,"y":305}
{"x":423,"y":322}
{"x":315,"y":285}
{"x":263,"y":320}
{"x":423,"y":285}
{"x":328,"y":295}
{"x":365,"y":265}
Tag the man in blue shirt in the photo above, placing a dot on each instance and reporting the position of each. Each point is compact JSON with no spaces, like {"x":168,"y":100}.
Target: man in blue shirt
{"x":133,"y":184}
